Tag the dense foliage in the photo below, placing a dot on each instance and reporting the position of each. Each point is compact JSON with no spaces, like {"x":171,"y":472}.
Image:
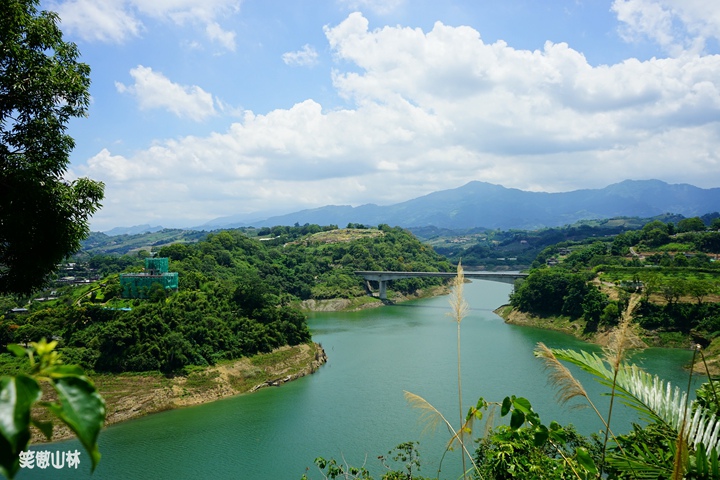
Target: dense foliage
{"x":673,"y":266}
{"x":518,"y":249}
{"x":236,"y":297}
{"x":43,"y":217}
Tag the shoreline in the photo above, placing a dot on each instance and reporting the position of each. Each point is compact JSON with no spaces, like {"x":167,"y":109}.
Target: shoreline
{"x":366,"y":302}
{"x":131,"y":396}
{"x":647,"y":338}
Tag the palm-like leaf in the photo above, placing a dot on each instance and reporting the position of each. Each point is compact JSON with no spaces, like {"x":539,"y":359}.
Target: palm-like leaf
{"x":653,"y":397}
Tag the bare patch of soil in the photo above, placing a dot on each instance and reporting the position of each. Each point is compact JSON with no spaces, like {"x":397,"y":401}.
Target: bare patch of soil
{"x":129,"y":396}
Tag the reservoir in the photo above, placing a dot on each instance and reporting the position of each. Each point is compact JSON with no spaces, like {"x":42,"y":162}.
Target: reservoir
{"x":353,"y":407}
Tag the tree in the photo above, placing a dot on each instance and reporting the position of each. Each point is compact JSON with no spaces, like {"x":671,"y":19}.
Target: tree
{"x":694,"y":224}
{"x":43,"y":217}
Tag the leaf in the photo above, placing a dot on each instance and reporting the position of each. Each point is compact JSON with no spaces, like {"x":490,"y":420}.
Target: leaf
{"x":59,"y":371}
{"x":558,"y":436}
{"x":586,"y":461}
{"x":17,"y":350}
{"x":45,"y":427}
{"x":517,"y":419}
{"x":82,"y":409}
{"x":17,"y":395}
{"x":506,"y":404}
{"x":523,"y":404}
{"x":541,"y":435}
{"x":471,"y":413}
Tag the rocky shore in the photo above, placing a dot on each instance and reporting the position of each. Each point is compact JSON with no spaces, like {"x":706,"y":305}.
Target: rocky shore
{"x":133,"y":396}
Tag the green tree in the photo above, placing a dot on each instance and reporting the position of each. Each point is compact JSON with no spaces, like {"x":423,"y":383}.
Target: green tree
{"x":42,"y":86}
{"x":593,"y":305}
{"x":694,"y":224}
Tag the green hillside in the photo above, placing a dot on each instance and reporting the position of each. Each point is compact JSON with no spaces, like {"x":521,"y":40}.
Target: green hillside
{"x":237,"y":296}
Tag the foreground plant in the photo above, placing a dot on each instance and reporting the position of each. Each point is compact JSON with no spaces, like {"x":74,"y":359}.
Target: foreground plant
{"x":526,"y":448}
{"x":78,"y":405}
{"x":683,"y":437}
{"x":404,"y":453}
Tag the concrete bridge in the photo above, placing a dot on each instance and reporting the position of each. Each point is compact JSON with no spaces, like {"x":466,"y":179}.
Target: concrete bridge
{"x":383,"y":277}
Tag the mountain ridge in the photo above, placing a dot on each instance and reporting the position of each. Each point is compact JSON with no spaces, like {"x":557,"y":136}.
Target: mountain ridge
{"x":482,"y":204}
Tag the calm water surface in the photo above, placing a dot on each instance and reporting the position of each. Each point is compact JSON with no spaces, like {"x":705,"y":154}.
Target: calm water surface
{"x":353,"y":407}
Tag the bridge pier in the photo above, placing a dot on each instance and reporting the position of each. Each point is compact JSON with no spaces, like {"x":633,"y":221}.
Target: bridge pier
{"x":383,"y":289}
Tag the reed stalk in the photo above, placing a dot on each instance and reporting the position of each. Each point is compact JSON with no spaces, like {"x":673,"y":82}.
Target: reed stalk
{"x":459,"y":308}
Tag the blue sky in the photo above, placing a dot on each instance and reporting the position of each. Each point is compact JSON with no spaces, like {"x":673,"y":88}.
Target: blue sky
{"x":204,"y":109}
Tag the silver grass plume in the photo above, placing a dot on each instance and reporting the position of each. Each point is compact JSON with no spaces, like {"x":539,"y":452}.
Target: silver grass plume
{"x":623,"y":337}
{"x":458,"y":311}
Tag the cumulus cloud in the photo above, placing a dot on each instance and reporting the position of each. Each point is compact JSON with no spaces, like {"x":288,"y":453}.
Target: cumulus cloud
{"x":154,"y":90}
{"x":307,"y":56}
{"x":115,"y":21}
{"x":676,"y":25}
{"x":433,"y":110}
{"x":98,"y":20}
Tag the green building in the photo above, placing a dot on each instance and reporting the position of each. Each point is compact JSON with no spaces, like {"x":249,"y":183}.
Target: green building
{"x":137,"y":285}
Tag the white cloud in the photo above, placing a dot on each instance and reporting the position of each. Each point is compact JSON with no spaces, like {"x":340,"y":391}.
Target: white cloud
{"x":205,"y":13}
{"x":381,"y":7}
{"x":223,"y":37}
{"x":676,"y":25}
{"x":181,"y":11}
{"x":154,"y":90}
{"x":307,"y":56}
{"x":115,"y":21}
{"x":433,"y":110}
{"x":98,"y":20}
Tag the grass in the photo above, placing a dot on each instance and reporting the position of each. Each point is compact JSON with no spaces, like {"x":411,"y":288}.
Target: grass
{"x":673,"y":340}
{"x":677,"y":247}
{"x":202,"y":379}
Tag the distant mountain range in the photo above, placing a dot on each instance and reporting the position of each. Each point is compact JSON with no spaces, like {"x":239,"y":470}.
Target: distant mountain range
{"x":481,"y":204}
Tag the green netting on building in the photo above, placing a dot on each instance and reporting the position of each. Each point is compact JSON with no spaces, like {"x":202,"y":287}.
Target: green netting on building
{"x":156,"y":266}
{"x":137,"y":285}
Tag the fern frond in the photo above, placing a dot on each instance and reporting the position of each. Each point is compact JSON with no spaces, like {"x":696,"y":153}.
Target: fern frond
{"x":654,"y":398}
{"x":644,"y":463}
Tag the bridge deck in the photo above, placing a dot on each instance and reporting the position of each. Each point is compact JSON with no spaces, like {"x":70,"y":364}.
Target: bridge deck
{"x":382,"y":277}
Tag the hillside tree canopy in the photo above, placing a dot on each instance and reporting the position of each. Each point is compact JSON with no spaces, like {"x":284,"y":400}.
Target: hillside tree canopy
{"x":43,"y":216}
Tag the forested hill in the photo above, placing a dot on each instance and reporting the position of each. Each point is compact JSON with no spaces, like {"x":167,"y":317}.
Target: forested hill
{"x":237,"y":296}
{"x":671,"y":269}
